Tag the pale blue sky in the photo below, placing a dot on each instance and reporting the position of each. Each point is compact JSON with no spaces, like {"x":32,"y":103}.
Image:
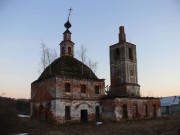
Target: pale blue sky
{"x":153,"y":25}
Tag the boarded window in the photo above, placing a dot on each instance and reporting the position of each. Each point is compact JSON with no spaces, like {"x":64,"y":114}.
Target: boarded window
{"x":146,"y":109}
{"x":67,"y":87}
{"x":67,"y":113}
{"x":83,"y":88}
{"x":97,"y":90}
{"x":124,"y":111}
{"x":69,"y":50}
{"x":130,"y":54}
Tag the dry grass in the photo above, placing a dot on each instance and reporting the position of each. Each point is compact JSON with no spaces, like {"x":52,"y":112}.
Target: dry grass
{"x":169,"y":125}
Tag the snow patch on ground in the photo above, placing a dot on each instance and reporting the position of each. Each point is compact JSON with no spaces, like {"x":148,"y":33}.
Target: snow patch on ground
{"x":23,"y":116}
{"x":21,"y":134}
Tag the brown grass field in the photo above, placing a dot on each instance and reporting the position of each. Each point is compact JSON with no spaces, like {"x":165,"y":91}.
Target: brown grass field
{"x":166,"y":125}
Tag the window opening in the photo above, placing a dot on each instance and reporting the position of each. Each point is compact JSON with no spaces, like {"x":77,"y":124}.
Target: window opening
{"x":116,"y":54}
{"x":97,"y":90}
{"x":69,"y":50}
{"x":83,"y":88}
{"x":130,"y":54}
{"x":67,"y":87}
{"x":62,"y":51}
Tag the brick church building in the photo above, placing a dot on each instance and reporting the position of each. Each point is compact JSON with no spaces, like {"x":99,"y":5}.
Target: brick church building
{"x":68,"y":90}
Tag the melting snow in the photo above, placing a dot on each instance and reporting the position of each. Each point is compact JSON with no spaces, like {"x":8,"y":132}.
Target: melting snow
{"x":21,"y":115}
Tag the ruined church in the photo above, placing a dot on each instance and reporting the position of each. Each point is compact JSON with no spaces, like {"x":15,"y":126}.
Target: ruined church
{"x":69,"y":91}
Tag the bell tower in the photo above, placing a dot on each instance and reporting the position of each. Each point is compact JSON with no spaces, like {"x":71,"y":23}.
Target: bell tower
{"x":67,"y":46}
{"x":123,"y":68}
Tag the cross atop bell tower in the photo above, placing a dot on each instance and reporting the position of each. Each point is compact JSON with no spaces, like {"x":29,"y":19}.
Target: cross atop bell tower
{"x":67,"y":46}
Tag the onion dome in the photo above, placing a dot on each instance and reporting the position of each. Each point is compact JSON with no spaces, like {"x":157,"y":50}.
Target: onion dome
{"x":67,"y":25}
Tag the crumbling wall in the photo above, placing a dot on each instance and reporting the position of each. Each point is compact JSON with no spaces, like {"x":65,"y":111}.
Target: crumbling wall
{"x":136,"y":108}
{"x":107,"y":109}
{"x":41,"y":95}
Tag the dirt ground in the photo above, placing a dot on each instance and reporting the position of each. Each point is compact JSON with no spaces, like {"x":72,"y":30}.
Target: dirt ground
{"x":166,"y":125}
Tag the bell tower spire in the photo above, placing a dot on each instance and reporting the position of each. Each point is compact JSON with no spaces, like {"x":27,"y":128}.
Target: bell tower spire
{"x":67,"y":46}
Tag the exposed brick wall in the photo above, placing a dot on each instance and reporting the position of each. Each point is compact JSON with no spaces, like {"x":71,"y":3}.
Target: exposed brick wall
{"x":52,"y":92}
{"x":131,"y":103}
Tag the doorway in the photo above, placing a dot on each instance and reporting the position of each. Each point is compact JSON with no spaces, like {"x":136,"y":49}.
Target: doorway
{"x":84,"y":116}
{"x":42,"y":113}
{"x":97,"y":113}
{"x":167,"y":110}
{"x":124,"y":111}
{"x":154,"y":110}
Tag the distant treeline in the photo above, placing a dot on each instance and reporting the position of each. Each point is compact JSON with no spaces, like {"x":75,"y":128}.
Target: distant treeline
{"x":23,"y":106}
{"x":9,"y":108}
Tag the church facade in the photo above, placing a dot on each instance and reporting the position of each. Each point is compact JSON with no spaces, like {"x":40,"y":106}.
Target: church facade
{"x":68,"y":90}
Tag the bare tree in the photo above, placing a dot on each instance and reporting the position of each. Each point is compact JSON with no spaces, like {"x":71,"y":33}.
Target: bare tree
{"x":43,"y":56}
{"x":83,"y":56}
{"x":92,"y":65}
{"x":51,"y":56}
{"x":2,"y":94}
{"x":47,"y":57}
{"x":82,"y":53}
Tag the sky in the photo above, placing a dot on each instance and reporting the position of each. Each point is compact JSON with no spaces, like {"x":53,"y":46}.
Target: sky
{"x":152,"y":25}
